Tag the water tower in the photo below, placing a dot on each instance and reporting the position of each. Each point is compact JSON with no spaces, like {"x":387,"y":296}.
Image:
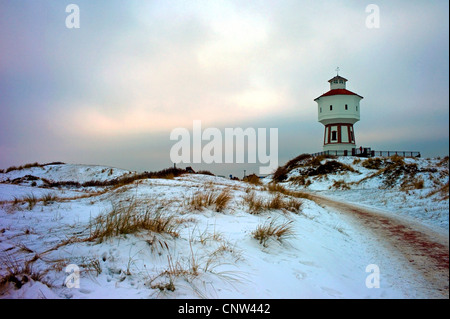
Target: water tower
{"x":338,"y":110}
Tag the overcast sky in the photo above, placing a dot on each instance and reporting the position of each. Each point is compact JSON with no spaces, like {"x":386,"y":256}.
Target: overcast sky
{"x":111,"y":91}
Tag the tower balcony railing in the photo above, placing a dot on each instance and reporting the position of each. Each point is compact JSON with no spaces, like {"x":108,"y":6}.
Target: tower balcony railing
{"x":367,"y":152}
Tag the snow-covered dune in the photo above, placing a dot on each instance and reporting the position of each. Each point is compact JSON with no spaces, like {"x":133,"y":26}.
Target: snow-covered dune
{"x":413,"y":187}
{"x":201,"y":251}
{"x":67,"y":172}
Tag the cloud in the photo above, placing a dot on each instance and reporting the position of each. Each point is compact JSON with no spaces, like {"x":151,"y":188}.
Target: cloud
{"x":139,"y":69}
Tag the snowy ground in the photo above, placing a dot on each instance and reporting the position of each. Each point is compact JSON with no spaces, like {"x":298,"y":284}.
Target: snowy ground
{"x":371,"y":192}
{"x":209,"y":254}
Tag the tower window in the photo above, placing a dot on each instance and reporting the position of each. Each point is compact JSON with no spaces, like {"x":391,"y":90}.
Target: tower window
{"x":357,"y":107}
{"x":333,"y":135}
{"x":346,"y":106}
{"x":331,"y":107}
{"x":320,"y":110}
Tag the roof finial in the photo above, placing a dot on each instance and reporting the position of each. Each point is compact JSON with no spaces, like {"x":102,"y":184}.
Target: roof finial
{"x":337,"y":71}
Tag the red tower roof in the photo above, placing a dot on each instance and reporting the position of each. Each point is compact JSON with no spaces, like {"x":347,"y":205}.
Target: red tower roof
{"x":338,"y":92}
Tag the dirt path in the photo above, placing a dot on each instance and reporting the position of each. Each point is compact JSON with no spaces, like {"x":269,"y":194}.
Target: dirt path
{"x":426,"y":250}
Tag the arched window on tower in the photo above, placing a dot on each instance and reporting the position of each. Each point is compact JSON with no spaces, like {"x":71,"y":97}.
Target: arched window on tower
{"x":331,"y":107}
{"x":346,"y":107}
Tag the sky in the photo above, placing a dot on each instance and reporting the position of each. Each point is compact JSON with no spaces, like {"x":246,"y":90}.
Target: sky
{"x":111,"y":91}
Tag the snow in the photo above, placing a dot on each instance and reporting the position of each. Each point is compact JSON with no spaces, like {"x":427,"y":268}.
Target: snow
{"x":371,"y":192}
{"x":68,"y":172}
{"x":214,"y":253}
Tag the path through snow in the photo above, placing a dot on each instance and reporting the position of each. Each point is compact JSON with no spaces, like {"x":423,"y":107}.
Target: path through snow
{"x":425,"y":249}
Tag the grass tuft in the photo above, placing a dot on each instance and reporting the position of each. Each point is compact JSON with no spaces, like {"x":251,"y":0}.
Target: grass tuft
{"x":211,"y":199}
{"x":31,"y":200}
{"x":132,"y":218}
{"x":271,"y":230}
{"x":256,"y":205}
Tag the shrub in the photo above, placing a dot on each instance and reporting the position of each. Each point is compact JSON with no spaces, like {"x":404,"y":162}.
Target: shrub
{"x":340,"y":184}
{"x":372,"y":163}
{"x":412,"y":183}
{"x":329,"y":167}
{"x":168,"y":173}
{"x":442,"y":192}
{"x":54,"y":163}
{"x":252,"y":179}
{"x":317,"y":160}
{"x":280,"y":174}
{"x":18,"y":168}
{"x":443,"y":162}
{"x":300,"y":180}
{"x":296,"y":161}
{"x":397,"y":159}
{"x":205,"y":173}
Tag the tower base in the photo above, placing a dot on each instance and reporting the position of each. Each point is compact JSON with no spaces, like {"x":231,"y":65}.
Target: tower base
{"x":339,"y":137}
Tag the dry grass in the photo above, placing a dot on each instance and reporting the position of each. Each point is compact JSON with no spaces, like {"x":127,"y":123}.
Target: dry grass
{"x":257,"y":205}
{"x":252,"y":179}
{"x":272,"y":187}
{"x":48,"y":199}
{"x":340,"y":184}
{"x":443,"y":162}
{"x":210,"y":199}
{"x":19,"y":272}
{"x":31,"y":200}
{"x":392,"y":168}
{"x":373,"y":163}
{"x":272,"y":230}
{"x":412,"y":183}
{"x":280,"y":174}
{"x":192,"y":267}
{"x":131,"y":218}
{"x":300,"y":180}
{"x":442,"y":192}
{"x":18,"y":168}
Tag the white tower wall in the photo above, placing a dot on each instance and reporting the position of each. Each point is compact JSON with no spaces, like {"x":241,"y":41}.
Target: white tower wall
{"x":351,"y":114}
{"x":338,"y":110}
